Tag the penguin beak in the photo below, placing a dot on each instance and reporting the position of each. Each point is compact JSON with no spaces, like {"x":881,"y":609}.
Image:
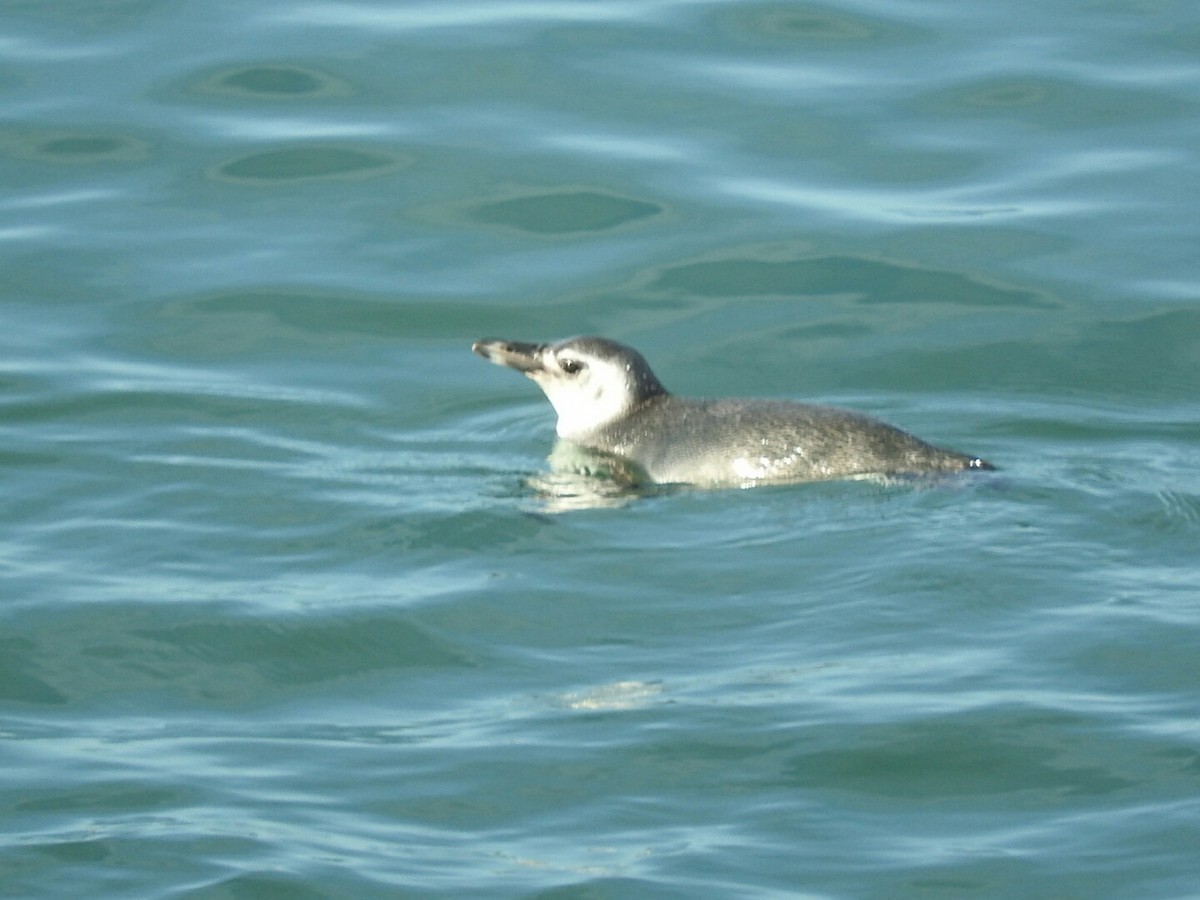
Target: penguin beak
{"x":523,"y":357}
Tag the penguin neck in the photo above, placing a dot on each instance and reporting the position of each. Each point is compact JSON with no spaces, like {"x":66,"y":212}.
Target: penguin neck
{"x":577,"y":424}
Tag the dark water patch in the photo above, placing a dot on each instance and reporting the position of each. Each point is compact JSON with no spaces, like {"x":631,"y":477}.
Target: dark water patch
{"x":325,"y":323}
{"x":1154,"y":356}
{"x":1182,"y":36}
{"x":812,"y":25}
{"x":102,"y":797}
{"x":275,"y":82}
{"x":80,"y":146}
{"x":826,"y":331}
{"x":22,"y":387}
{"x":884,"y":162}
{"x":864,"y":280}
{"x":101,"y":15}
{"x":19,"y":681}
{"x":473,"y":530}
{"x":564,"y":212}
{"x":247,"y":322}
{"x":76,"y":851}
{"x":1007,"y":364}
{"x":1131,"y":615}
{"x":48,"y":277}
{"x":309,"y":163}
{"x":995,"y":243}
{"x":72,"y":147}
{"x":1158,"y":352}
{"x":222,"y":659}
{"x":1020,"y":756}
{"x":1104,"y":423}
{"x":299,"y":652}
{"x":268,"y":885}
{"x":16,"y":458}
{"x":1053,"y":103}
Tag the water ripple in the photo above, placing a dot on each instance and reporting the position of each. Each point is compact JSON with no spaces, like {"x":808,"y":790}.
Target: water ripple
{"x":945,"y":206}
{"x":473,"y":16}
{"x":246,"y":127}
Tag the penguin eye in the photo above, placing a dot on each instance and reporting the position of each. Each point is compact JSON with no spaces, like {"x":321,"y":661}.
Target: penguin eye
{"x":571,"y":366}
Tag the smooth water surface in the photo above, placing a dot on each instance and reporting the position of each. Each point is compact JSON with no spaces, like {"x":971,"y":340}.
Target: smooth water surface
{"x":284,"y":613}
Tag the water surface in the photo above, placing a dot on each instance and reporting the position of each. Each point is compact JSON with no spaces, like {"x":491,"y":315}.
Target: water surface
{"x":283,"y":613}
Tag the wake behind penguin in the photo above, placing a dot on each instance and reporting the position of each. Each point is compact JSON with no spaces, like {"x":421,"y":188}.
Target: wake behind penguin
{"x":610,"y":402}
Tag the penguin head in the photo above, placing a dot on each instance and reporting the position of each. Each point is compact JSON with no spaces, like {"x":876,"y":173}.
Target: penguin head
{"x":590,"y":381}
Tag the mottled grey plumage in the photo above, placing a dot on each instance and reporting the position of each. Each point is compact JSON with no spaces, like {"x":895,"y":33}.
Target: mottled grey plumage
{"x":609,"y":400}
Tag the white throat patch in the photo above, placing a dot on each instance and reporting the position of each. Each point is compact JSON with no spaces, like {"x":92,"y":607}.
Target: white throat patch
{"x":589,"y":399}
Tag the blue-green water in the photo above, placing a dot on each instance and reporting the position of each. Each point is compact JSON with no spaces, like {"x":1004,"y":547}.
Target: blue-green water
{"x":282,"y":615}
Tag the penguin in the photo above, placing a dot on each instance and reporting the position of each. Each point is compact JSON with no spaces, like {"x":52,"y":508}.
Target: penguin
{"x":610,"y":402}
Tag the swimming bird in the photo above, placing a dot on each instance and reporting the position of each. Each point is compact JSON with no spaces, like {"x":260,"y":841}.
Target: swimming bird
{"x":609,"y":401}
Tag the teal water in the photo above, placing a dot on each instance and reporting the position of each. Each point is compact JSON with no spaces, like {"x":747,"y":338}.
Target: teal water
{"x":283,"y":616}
